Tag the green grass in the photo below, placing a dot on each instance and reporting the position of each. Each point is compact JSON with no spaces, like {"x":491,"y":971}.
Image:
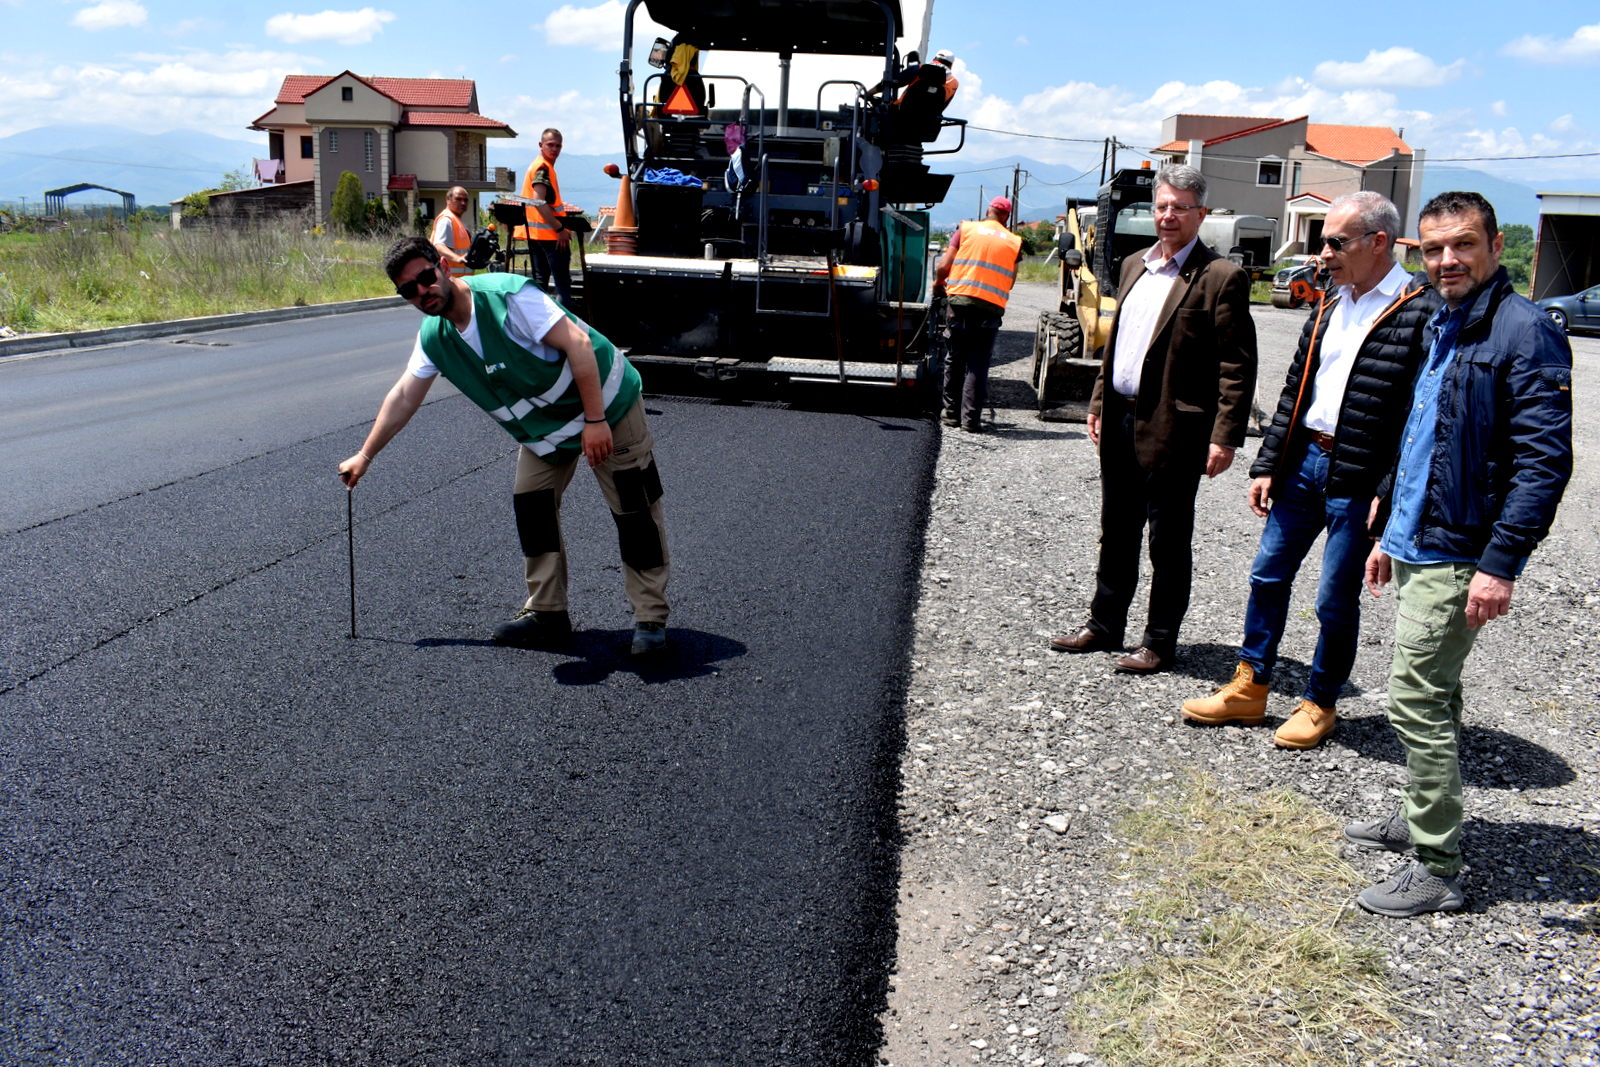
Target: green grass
{"x":1238,"y":901}
{"x":82,"y":278}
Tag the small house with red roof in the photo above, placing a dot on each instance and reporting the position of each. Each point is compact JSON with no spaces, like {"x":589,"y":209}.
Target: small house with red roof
{"x":410,"y":139}
{"x":1292,"y":169}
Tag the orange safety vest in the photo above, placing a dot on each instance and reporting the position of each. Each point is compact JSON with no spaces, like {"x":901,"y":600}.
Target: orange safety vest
{"x":460,"y":241}
{"x":985,"y":266}
{"x":537,"y":228}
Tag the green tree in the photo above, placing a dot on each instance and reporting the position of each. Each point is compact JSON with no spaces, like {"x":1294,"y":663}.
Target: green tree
{"x":196,"y":205}
{"x":349,"y":214}
{"x":242,"y":178}
{"x":1517,"y":255}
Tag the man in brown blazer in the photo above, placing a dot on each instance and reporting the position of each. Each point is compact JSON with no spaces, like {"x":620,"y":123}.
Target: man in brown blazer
{"x":1174,"y":394}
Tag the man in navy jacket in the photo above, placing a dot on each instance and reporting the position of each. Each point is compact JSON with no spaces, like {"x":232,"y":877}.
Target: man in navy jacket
{"x":1484,"y":458}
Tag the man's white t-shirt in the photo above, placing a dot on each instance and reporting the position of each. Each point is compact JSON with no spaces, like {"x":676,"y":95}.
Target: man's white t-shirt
{"x":530,"y":315}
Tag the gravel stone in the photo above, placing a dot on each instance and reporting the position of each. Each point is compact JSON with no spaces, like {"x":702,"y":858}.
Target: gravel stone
{"x":1019,"y":760}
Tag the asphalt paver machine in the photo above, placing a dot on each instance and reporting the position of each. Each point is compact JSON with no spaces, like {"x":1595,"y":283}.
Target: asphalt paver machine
{"x":777,"y":234}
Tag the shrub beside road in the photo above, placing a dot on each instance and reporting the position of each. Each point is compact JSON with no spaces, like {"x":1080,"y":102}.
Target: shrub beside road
{"x":76,"y":278}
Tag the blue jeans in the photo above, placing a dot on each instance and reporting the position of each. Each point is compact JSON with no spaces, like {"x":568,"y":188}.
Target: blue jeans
{"x":1301,"y":511}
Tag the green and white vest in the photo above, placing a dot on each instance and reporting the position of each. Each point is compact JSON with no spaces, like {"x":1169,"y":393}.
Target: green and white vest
{"x":532,"y":398}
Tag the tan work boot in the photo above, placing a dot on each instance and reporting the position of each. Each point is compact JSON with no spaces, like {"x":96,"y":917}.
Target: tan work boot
{"x":1242,"y":701}
{"x":1306,"y":728}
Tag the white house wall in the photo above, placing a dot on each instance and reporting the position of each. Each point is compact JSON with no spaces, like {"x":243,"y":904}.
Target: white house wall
{"x":425,"y":153}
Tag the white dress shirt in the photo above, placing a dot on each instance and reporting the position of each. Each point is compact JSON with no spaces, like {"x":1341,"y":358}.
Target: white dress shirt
{"x":1347,"y":327}
{"x":1138,"y":313}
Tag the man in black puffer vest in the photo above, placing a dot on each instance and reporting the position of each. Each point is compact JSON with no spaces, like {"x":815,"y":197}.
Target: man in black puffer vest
{"x":1331,"y":441}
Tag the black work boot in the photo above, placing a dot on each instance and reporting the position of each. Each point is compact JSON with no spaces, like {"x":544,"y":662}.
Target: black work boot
{"x":535,"y":629}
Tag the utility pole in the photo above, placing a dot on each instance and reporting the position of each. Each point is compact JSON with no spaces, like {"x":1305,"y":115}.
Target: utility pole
{"x":1016,"y":194}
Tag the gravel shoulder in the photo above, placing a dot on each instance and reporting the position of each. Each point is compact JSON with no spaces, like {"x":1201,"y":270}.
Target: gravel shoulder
{"x":1019,"y":762}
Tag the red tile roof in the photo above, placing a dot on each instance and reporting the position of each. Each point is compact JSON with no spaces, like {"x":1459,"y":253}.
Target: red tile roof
{"x":1348,"y":144}
{"x":1354,"y":144}
{"x":408,"y":92}
{"x":458,"y":119}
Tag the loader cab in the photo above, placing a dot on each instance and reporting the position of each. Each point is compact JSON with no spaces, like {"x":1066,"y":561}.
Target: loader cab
{"x":1125,"y":200}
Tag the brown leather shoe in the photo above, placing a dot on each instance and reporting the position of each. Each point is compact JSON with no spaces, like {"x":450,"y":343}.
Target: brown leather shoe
{"x":1242,"y":702}
{"x":1307,"y":727}
{"x":1142,"y":660}
{"x":1084,"y":639}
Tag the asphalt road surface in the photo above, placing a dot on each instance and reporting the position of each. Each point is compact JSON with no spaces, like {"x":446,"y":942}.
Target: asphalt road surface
{"x":230,"y":834}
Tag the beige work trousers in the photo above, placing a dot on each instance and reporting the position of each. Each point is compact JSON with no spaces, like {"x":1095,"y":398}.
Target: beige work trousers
{"x":632,"y":489}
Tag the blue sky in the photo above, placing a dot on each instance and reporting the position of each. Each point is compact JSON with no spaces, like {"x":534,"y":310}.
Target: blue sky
{"x":1475,"y":82}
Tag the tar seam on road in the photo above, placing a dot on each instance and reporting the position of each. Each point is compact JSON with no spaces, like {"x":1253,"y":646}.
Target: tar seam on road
{"x":314,"y":543}
{"x":192,"y":477}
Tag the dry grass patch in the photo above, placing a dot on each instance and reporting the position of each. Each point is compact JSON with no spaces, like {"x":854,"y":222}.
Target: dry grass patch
{"x":1238,"y":902}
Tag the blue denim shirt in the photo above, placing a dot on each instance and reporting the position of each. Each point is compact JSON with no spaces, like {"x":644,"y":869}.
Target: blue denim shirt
{"x":1403,"y":536}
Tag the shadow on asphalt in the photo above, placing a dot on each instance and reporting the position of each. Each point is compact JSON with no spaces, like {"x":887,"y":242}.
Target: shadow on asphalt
{"x":602,"y":653}
{"x":595,"y":655}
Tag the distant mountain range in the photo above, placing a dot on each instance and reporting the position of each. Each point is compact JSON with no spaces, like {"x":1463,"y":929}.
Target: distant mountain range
{"x":155,"y":168}
{"x":160,"y":168}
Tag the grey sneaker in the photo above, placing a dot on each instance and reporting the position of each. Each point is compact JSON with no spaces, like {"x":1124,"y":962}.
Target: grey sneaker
{"x":649,"y":637}
{"x":1412,"y":889}
{"x":535,"y":629}
{"x":1392,"y":833}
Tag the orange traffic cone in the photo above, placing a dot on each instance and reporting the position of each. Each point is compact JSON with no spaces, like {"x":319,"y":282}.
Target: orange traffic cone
{"x":622,"y":237}
{"x":624,"y":217}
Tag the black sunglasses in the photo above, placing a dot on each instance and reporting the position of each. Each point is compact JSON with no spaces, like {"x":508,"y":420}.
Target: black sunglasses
{"x":1338,"y":243}
{"x":426,"y":278}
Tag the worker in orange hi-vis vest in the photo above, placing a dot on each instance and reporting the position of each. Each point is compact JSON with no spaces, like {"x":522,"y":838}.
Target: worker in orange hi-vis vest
{"x":976,"y":272}
{"x":549,"y":239}
{"x":452,"y":235}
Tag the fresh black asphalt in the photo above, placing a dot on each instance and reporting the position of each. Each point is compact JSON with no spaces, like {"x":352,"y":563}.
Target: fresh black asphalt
{"x":234,"y":835}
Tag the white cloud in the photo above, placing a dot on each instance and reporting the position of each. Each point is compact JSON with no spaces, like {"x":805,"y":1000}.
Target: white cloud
{"x":588,"y":125}
{"x":341,"y":27}
{"x":1582,"y":47}
{"x":109,"y":15}
{"x":1392,"y":68}
{"x":217,"y":92}
{"x":1563,"y":124}
{"x":598,"y":27}
{"x":1499,"y":109}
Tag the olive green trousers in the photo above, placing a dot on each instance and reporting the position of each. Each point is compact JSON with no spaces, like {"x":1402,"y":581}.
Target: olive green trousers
{"x":1431,"y":642}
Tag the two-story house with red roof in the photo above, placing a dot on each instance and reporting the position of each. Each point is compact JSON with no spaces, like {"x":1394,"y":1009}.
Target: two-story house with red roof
{"x":410,"y":139}
{"x":1292,"y":169}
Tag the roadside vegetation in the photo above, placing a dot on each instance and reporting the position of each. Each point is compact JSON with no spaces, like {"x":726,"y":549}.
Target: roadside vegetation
{"x":80,"y":277}
{"x":1237,"y":903}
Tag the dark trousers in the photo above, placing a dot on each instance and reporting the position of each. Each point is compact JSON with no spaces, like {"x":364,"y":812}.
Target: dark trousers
{"x":551,"y":260}
{"x":1131,"y":499}
{"x":966,"y":369}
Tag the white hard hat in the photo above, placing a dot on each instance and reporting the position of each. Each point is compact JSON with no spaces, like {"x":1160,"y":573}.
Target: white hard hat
{"x":945,"y":56}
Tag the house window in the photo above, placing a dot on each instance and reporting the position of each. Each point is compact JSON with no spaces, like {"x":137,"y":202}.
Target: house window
{"x":366,"y":148}
{"x":1294,"y":189}
{"x":333,"y":140}
{"x":347,"y":94}
{"x":307,"y":151}
{"x":1269,"y":172}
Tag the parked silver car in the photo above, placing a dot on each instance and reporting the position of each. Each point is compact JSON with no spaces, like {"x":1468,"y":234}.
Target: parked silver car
{"x":1581,"y":311}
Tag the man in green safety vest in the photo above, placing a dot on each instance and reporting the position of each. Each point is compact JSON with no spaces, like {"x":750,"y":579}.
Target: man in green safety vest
{"x":560,"y":389}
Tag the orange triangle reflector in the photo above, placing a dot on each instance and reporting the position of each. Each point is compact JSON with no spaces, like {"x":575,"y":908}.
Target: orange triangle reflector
{"x":680,"y":103}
